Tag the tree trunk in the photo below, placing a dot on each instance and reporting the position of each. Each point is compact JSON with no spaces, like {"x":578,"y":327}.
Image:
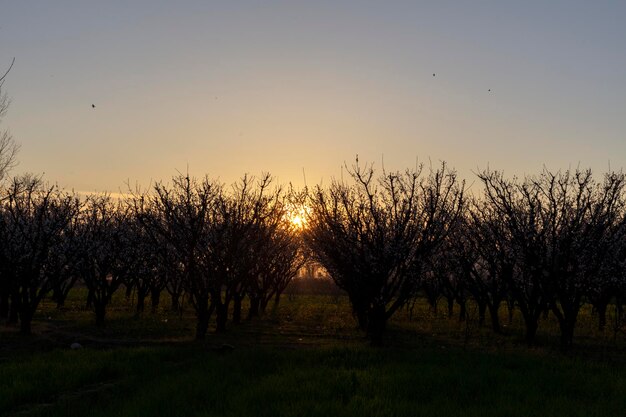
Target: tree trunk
{"x":26,"y":318}
{"x":237,"y":299}
{"x":376,"y":324}
{"x":567,"y":322}
{"x":4,"y":305}
{"x":495,"y":320}
{"x":433,"y":307}
{"x":100,"y":309}
{"x":482,"y":308}
{"x":175,"y":302}
{"x":129,"y":291}
{"x":14,"y":309}
{"x":463,"y":312}
{"x":221,"y":311}
{"x":263,"y":305}
{"x":277,"y":300}
{"x":361,"y":315}
{"x":360,"y":311}
{"x":531,"y":329}
{"x":601,"y":316}
{"x":567,"y":333}
{"x":155,"y":299}
{"x":510,"y":310}
{"x":58,"y":296}
{"x":141,"y":302}
{"x":202,"y":315}
{"x":254,"y":308}
{"x":90,"y":299}
{"x":450,"y":307}
{"x":63,"y":292}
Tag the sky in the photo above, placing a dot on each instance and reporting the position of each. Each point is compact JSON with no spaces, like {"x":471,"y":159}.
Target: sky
{"x":298,"y":89}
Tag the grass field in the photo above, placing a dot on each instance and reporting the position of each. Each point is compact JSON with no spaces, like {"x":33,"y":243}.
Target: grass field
{"x":306,"y":359}
{"x":190,"y":380}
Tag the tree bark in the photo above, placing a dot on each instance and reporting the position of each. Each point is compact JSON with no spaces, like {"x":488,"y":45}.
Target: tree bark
{"x":4,"y":305}
{"x":567,"y":333}
{"x":601,"y":315}
{"x":361,"y":317}
{"x":277,"y":300}
{"x":263,"y":305}
{"x":100,"y":310}
{"x":450,"y":307}
{"x":510,"y":310}
{"x":376,"y":324}
{"x":175,"y":302}
{"x":237,"y":299}
{"x":141,"y":302}
{"x":531,"y":329}
{"x":26,"y":318}
{"x":463,"y":311}
{"x":482,"y":308}
{"x":155,"y":299}
{"x":221,"y":311}
{"x":203,"y":316}
{"x":495,"y":320}
{"x":202,"y":326}
{"x":129,"y":291}
{"x":14,"y":309}
{"x":254,"y":308}
{"x":567,"y":316}
{"x":90,"y":298}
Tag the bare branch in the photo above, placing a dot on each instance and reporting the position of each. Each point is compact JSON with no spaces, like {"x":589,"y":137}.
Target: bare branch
{"x":7,"y":72}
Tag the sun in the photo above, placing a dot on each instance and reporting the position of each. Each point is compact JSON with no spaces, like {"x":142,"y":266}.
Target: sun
{"x":298,"y":221}
{"x":297,"y":216}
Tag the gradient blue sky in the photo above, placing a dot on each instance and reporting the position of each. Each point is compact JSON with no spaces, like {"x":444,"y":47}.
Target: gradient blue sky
{"x":233,"y":87}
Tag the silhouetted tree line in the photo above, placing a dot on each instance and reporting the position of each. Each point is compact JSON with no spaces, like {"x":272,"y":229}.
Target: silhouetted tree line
{"x":545,"y":243}
{"x":218,"y":246}
{"x":195,"y":239}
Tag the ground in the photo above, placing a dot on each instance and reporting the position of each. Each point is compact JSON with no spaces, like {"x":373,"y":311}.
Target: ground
{"x":305,"y":358}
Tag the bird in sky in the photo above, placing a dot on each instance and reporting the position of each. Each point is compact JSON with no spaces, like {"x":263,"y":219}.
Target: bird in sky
{"x":93,"y":106}
{"x":433,"y":75}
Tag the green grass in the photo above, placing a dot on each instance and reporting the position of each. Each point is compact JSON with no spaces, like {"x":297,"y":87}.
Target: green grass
{"x":305,"y":359}
{"x":355,"y":381}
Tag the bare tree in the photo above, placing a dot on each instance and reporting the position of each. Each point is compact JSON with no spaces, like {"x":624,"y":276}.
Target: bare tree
{"x":8,"y":147}
{"x":101,"y":235}
{"x":441,"y":272}
{"x":233,"y":241}
{"x":518,"y":205}
{"x":372,"y":235}
{"x":169,"y":274}
{"x":562,"y":228}
{"x":610,"y":280}
{"x":64,"y":259}
{"x":495,"y":261}
{"x":278,"y":262}
{"x":289,"y":256}
{"x":179,"y":216}
{"x":33,"y":221}
{"x":141,"y":265}
{"x":8,"y":152}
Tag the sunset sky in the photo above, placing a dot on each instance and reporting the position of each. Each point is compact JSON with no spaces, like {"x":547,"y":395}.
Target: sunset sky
{"x":231,"y":87}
